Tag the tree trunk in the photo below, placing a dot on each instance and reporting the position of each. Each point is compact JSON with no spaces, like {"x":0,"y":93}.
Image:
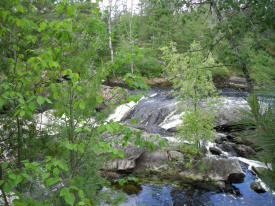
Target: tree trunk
{"x":2,"y":190}
{"x":131,"y":37}
{"x":110,"y":31}
{"x":71,"y":131}
{"x":232,"y":42}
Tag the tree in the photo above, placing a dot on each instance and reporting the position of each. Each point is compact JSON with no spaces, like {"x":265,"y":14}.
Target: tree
{"x":52,"y":60}
{"x":110,"y":30}
{"x":193,"y":85}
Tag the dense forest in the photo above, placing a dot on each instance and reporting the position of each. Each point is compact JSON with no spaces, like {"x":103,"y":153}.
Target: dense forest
{"x":57,"y":56}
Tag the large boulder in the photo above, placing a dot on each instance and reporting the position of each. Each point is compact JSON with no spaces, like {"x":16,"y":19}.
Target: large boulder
{"x":175,"y":156}
{"x":237,"y":149}
{"x":135,"y":155}
{"x":215,"y":171}
{"x":244,"y":151}
{"x":128,"y":163}
{"x":155,"y":161}
{"x":228,"y":147}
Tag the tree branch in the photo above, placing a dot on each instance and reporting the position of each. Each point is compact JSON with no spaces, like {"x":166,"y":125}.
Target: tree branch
{"x":214,"y":66}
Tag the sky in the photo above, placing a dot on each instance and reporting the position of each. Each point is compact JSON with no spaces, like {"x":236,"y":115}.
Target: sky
{"x":120,"y":3}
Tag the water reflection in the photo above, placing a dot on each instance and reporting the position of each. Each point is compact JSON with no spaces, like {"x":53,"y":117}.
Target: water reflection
{"x":173,"y":195}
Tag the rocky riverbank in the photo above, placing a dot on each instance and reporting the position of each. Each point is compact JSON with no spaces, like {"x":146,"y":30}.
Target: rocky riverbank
{"x":157,"y":114}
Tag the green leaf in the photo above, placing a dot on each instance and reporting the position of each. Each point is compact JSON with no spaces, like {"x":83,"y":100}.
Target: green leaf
{"x":22,"y":113}
{"x":40,"y":100}
{"x":81,"y":194}
{"x":32,"y":105}
{"x":48,"y":100}
{"x":20,"y":8}
{"x":82,"y":105}
{"x":26,"y":176}
{"x":4,"y":165}
{"x":78,"y":129}
{"x":74,"y":77}
{"x":99,"y":99}
{"x":12,"y":176}
{"x":42,"y":27}
{"x":56,"y":171}
{"x":64,"y":191}
{"x":64,"y":72}
{"x":68,"y":196}
{"x":63,"y":165}
{"x":51,"y":181}
{"x":79,"y":88}
{"x":96,"y":148}
{"x":69,"y":146}
{"x":120,"y":154}
{"x":2,"y":102}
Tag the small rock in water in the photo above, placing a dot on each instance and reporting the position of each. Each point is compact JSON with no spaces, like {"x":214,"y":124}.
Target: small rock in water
{"x":259,"y":170}
{"x":175,"y":155}
{"x":257,"y":187}
{"x":172,"y":129}
{"x":244,"y":151}
{"x":221,"y":139}
{"x":215,"y":151}
{"x":228,"y":147}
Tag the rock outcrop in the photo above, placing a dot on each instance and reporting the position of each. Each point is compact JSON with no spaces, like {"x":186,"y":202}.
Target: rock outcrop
{"x":170,"y":163}
{"x":112,"y":94}
{"x":257,"y":187}
{"x":215,"y":151}
{"x":215,"y":171}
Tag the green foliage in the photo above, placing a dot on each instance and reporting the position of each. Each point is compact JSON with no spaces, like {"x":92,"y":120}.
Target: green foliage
{"x":193,"y":85}
{"x":126,"y":180}
{"x":157,"y":24}
{"x":135,"y":81}
{"x":262,"y":115}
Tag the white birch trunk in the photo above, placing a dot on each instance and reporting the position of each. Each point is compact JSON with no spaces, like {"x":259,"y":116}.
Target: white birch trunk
{"x":131,"y":37}
{"x":110,"y":31}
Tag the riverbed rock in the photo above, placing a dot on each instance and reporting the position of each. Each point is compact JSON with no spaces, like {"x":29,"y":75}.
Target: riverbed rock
{"x":257,"y":187}
{"x":128,"y":163}
{"x":259,"y":170}
{"x":215,"y":151}
{"x":153,"y":82}
{"x":214,"y":171}
{"x":175,"y":156}
{"x":116,"y":95}
{"x":228,"y":147}
{"x":172,"y":130}
{"x":237,"y":149}
{"x":155,"y":161}
{"x":237,"y":82}
{"x":154,"y":129}
{"x":244,"y":151}
{"x":158,"y":82}
{"x":151,"y":112}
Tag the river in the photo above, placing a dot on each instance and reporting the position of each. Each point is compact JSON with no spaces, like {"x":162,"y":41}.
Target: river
{"x":156,"y":113}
